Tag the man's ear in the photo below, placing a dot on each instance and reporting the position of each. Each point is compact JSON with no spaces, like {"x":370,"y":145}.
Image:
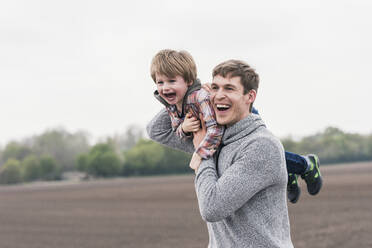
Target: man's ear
{"x":250,"y":97}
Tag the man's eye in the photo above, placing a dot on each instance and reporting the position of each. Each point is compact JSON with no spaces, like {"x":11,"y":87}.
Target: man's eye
{"x":214,"y":87}
{"x":229,"y":88}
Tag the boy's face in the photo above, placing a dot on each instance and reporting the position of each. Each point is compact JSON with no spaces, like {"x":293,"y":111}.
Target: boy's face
{"x":172,"y":90}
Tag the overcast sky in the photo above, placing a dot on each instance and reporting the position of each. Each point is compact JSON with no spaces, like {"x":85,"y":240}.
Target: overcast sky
{"x":84,"y":65}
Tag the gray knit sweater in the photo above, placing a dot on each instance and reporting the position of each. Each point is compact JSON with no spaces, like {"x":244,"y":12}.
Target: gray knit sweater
{"x":244,"y":200}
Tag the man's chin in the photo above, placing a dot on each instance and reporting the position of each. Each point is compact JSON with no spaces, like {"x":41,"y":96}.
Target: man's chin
{"x":221,"y":121}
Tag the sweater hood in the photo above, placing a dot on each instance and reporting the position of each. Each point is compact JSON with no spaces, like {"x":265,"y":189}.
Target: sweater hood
{"x":194,"y":87}
{"x":242,"y":128}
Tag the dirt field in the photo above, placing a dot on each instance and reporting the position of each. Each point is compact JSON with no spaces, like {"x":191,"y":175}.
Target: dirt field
{"x":163,"y":212}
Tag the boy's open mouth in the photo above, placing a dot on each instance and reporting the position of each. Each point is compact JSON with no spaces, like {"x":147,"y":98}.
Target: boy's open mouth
{"x":170,"y":96}
{"x":222,"y":107}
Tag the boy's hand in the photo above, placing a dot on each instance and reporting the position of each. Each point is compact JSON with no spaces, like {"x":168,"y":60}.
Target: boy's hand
{"x":207,"y":87}
{"x":190,"y":124}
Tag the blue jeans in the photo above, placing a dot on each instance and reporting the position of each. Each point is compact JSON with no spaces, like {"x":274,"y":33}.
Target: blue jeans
{"x":295,"y":163}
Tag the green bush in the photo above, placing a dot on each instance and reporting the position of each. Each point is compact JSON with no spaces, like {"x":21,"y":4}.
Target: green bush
{"x":145,"y":157}
{"x":31,"y":168}
{"x":101,"y":161}
{"x":10,"y":172}
{"x":149,"y":157}
{"x":15,"y":150}
{"x":49,"y":169}
{"x":82,"y":162}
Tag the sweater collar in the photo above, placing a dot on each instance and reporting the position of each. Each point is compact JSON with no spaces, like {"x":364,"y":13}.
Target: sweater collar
{"x":242,"y":128}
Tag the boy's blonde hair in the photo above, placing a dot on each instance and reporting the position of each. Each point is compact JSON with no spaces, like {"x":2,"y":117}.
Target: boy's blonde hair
{"x":171,"y":63}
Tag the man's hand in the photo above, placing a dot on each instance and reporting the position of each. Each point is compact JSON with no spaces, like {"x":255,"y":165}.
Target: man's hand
{"x":195,"y":162}
{"x":198,"y":138}
{"x":190,"y":124}
{"x":199,"y":134}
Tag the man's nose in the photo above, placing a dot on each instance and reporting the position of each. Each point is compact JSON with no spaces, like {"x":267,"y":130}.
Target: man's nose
{"x":219,"y":94}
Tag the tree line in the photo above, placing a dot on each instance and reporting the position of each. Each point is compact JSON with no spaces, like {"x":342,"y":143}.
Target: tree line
{"x":48,"y":155}
{"x":41,"y":157}
{"x":333,"y":145}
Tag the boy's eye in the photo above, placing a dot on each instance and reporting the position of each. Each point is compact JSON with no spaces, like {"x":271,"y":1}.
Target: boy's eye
{"x":160,"y":82}
{"x":172,"y":80}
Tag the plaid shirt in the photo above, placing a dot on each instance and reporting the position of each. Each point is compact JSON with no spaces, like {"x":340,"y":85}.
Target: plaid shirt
{"x":199,"y":102}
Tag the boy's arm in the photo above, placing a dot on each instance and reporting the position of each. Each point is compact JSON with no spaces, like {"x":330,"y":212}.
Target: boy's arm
{"x":211,"y":141}
{"x":160,"y":130}
{"x":214,"y":133}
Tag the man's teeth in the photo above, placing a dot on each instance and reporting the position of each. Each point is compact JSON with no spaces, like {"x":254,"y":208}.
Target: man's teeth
{"x":222,"y":106}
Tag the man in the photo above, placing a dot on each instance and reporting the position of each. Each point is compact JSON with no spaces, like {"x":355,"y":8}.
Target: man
{"x":242,"y":190}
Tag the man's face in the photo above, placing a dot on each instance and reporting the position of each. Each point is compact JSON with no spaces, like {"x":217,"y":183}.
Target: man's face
{"x":228,"y":100}
{"x":172,"y":89}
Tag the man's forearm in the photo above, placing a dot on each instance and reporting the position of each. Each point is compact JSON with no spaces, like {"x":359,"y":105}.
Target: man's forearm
{"x":160,"y":130}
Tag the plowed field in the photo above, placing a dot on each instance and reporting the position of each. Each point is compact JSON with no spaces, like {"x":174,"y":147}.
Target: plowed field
{"x":163,"y":212}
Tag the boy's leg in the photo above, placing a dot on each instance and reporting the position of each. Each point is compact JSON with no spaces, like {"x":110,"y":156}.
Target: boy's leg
{"x":306,"y":166}
{"x":296,"y":164}
{"x":312,"y":175}
{"x":293,"y":191}
{"x":255,"y":111}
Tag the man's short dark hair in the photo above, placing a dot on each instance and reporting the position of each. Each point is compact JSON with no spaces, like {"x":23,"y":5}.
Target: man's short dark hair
{"x":237,"y":68}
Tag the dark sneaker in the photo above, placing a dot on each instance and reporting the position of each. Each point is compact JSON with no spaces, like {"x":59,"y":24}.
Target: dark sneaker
{"x":313,"y":177}
{"x":293,"y":191}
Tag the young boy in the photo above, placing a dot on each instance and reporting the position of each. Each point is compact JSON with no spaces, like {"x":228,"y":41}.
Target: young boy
{"x":178,"y":88}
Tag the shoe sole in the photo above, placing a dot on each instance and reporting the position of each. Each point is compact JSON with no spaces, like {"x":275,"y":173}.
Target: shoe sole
{"x":296,"y":199}
{"x":298,"y":195}
{"x":316,"y":191}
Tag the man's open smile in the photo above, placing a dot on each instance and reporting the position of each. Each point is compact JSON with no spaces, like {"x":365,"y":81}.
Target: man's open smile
{"x":222,"y":107}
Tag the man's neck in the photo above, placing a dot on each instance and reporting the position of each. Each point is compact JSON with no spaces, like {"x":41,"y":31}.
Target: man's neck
{"x":245,"y":115}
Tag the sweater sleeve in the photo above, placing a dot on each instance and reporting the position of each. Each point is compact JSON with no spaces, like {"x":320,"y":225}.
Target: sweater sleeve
{"x":160,"y":130}
{"x":254,"y":170}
